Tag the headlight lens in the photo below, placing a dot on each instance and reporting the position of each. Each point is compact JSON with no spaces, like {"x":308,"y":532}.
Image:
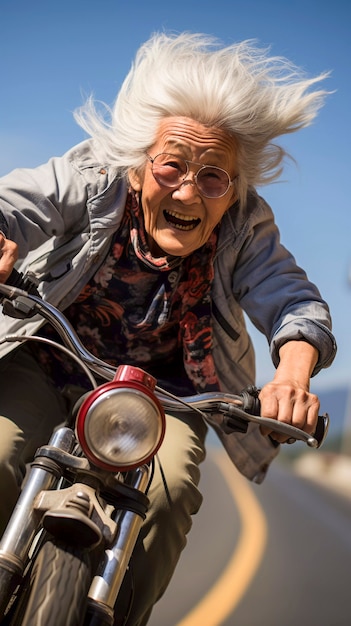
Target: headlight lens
{"x":120,"y":427}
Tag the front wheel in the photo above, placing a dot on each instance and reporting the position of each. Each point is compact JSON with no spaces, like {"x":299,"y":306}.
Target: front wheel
{"x":57,"y":588}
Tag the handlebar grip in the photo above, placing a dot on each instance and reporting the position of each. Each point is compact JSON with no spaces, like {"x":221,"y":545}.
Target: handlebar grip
{"x":251,"y":403}
{"x":18,"y":280}
{"x":15,"y":279}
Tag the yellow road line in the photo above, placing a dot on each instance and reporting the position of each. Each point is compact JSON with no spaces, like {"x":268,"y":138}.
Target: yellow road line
{"x":224,"y":596}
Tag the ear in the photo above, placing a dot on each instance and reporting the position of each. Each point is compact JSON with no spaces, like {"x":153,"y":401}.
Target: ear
{"x":134,"y":179}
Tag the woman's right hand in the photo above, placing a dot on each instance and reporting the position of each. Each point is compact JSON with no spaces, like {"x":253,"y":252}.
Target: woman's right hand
{"x":8,"y":257}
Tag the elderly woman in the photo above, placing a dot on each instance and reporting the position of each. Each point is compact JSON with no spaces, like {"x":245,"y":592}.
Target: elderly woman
{"x":151,"y":237}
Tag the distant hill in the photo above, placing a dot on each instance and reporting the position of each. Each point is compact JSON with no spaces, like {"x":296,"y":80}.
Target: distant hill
{"x":335,"y":403}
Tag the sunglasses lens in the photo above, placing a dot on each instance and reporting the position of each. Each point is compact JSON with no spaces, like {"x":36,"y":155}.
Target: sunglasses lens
{"x":170,"y":171}
{"x":212,"y":182}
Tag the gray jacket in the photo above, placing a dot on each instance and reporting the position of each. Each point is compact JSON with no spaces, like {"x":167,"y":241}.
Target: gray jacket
{"x":63,"y":215}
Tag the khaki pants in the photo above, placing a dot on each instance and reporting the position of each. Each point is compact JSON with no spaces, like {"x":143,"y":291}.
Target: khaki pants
{"x":30,"y":408}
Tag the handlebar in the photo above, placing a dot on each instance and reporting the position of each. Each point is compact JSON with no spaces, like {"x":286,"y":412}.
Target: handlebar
{"x":23,"y":301}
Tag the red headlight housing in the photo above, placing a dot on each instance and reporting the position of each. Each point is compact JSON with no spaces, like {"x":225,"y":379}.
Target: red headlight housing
{"x":121,"y":424}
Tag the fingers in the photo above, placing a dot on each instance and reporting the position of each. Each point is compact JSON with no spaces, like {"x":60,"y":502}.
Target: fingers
{"x":289,"y":404}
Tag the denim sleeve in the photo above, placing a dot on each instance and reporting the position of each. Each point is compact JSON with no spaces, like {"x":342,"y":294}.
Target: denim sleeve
{"x":3,"y":224}
{"x":275,"y":292}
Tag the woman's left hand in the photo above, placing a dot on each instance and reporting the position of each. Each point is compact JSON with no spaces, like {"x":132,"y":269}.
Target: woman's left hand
{"x":287,"y":398}
{"x":8,"y":257}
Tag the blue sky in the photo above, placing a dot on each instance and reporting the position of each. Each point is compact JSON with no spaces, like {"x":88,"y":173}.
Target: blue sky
{"x":54,"y":54}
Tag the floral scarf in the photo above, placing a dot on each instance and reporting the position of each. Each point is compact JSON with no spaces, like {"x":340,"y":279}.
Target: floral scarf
{"x":151,"y":312}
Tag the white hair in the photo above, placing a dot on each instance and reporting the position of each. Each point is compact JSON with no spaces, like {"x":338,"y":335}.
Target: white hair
{"x":254,"y":97}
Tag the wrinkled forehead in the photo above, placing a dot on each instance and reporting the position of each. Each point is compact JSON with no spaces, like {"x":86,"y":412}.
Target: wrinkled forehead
{"x":194,"y":141}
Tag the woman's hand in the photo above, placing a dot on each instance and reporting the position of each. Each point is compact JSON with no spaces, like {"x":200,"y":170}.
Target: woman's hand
{"x":8,"y":257}
{"x":287,"y":398}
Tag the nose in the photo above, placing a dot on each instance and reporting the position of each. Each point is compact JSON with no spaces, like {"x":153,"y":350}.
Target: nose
{"x":187,"y":192}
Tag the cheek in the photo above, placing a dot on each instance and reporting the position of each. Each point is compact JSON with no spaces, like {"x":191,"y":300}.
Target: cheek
{"x":152,"y":211}
{"x":213,"y":218}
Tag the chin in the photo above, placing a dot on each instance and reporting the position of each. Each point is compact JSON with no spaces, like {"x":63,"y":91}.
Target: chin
{"x":173,"y":245}
{"x":179,"y":248}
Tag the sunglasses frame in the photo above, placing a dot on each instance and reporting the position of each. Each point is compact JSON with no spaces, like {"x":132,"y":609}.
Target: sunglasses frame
{"x":188,"y":163}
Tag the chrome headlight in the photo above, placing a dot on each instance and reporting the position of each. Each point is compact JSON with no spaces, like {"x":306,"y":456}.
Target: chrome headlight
{"x":121,"y":424}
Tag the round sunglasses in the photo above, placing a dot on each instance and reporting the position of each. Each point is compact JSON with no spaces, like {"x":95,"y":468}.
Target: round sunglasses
{"x":171,"y":171}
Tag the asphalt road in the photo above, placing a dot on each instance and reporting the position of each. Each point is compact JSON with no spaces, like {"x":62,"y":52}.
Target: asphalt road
{"x":276,"y":554}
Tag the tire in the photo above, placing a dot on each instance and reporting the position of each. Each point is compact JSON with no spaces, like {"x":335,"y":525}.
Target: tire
{"x":57,"y":589}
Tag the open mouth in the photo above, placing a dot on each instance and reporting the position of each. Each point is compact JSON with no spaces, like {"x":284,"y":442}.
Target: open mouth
{"x":181,"y":221}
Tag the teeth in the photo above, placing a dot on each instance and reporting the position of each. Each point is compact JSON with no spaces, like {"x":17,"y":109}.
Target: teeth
{"x":180,"y":216}
{"x":183,"y":227}
{"x":181,"y":221}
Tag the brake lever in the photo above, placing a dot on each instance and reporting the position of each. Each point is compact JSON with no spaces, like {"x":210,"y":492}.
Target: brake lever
{"x":293,"y":433}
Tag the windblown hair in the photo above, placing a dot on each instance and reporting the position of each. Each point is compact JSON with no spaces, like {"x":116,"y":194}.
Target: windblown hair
{"x":254,"y":97}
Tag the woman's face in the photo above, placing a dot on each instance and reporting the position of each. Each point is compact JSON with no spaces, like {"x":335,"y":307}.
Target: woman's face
{"x":180,"y":220}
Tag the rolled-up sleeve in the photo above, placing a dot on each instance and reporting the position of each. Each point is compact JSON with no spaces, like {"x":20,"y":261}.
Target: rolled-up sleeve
{"x":309,"y":322}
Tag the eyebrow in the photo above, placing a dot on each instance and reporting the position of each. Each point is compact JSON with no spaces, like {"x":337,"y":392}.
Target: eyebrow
{"x":174,"y":144}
